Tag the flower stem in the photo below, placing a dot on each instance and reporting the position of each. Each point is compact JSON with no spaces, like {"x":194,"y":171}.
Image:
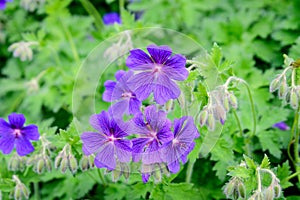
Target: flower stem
{"x":292,"y":176}
{"x":101,"y":177}
{"x":252,"y":107}
{"x":88,"y":6}
{"x":295,"y":132}
{"x":258,"y":180}
{"x":36,"y":191}
{"x":238,"y":122}
{"x":189,"y":172}
{"x":70,"y":40}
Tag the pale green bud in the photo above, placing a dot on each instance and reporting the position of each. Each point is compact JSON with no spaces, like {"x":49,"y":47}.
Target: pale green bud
{"x":91,"y":162}
{"x":13,"y":164}
{"x":241,"y":190}
{"x":169,"y":105}
{"x":157,"y":175}
{"x":210,"y":122}
{"x":203,"y":117}
{"x":58,"y":160}
{"x":115,"y":175}
{"x":229,"y":188}
{"x":226,"y":104}
{"x":283,"y":89}
{"x":275,"y":85}
{"x":22,"y":50}
{"x":17,"y":192}
{"x":294,"y":100}
{"x":84,"y":163}
{"x":232,"y":100}
{"x":73,"y":165}
{"x":220,"y":114}
{"x":269,"y":193}
{"x":277,"y":191}
{"x":48,"y":163}
{"x":40,"y":166}
{"x":25,"y":191}
{"x":64,"y":164}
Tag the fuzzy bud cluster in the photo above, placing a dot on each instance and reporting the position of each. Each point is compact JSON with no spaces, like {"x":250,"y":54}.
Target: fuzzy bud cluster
{"x":17,"y":163}
{"x":21,"y":191}
{"x":40,"y":163}
{"x":220,"y":101}
{"x":31,"y":5}
{"x":290,"y":93}
{"x":22,"y":50}
{"x":86,"y":162}
{"x":235,"y":189}
{"x":66,"y":160}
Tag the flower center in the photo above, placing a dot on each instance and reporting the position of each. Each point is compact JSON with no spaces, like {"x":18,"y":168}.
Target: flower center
{"x":17,"y":133}
{"x":111,"y":138}
{"x":157,"y":68}
{"x":126,"y":95}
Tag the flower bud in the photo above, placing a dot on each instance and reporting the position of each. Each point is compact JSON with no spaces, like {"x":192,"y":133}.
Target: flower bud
{"x":169,"y":105}
{"x":275,"y":84}
{"x":84,"y":163}
{"x":64,"y":164}
{"x":232,"y":100}
{"x":157,"y":175}
{"x":221,"y":114}
{"x":25,"y":191}
{"x":283,"y":89}
{"x":269,"y":193}
{"x":294,"y":100}
{"x":277,"y":191}
{"x":91,"y":162}
{"x":48,"y":163}
{"x":226,"y":104}
{"x":40,"y":166}
{"x":241,"y":190}
{"x":210,"y":122}
{"x":203,"y":117}
{"x":58,"y":160}
{"x":125,"y":170}
{"x":17,"y":192}
{"x":73,"y":166}
{"x":22,"y":49}
{"x":13,"y":164}
{"x":229,"y":188}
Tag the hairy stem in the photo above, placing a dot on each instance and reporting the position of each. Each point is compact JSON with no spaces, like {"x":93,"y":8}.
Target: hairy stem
{"x":238,"y":122}
{"x":189,"y":172}
{"x":252,"y":107}
{"x":101,"y":177}
{"x":36,"y":190}
{"x":295,"y":132}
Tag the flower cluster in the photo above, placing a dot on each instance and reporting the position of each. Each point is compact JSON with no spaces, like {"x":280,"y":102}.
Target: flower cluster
{"x":149,"y":137}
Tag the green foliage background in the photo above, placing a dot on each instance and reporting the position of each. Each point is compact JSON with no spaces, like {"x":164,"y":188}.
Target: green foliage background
{"x":252,"y":36}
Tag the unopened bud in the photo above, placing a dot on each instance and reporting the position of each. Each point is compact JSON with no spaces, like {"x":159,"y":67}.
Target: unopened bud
{"x":64,"y":164}
{"x":169,"y":105}
{"x":25,"y":191}
{"x":58,"y":160}
{"x":241,"y":190}
{"x":275,"y":85}
{"x":18,"y":192}
{"x":157,"y":175}
{"x":91,"y":162}
{"x":221,"y":114}
{"x":73,"y":164}
{"x":48,"y":163}
{"x":210,"y":122}
{"x":115,"y":175}
{"x":22,"y":49}
{"x":232,"y":100}
{"x":277,"y":191}
{"x":203,"y":117}
{"x":40,"y":166}
{"x":13,"y":164}
{"x":269,"y":193}
{"x":294,"y":100}
{"x":235,"y":194}
{"x":283,"y":89}
{"x":229,"y":188}
{"x":226,"y":104}
{"x":84,"y":163}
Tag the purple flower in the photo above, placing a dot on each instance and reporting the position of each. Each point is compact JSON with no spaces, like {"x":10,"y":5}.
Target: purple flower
{"x":14,"y":134}
{"x":154,"y":130}
{"x":182,"y":144}
{"x":110,"y":144}
{"x":111,"y":18}
{"x":156,"y":73}
{"x":3,"y":4}
{"x":119,"y":92}
{"x":282,"y":126}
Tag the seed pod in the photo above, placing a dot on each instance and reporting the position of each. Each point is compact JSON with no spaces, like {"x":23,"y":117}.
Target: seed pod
{"x":64,"y":164}
{"x":84,"y":163}
{"x":283,"y":89}
{"x":294,"y":100}
{"x":210,"y":122}
{"x":232,"y":100}
{"x":203,"y":117}
{"x":241,"y":190}
{"x":73,"y":165}
{"x":40,"y":166}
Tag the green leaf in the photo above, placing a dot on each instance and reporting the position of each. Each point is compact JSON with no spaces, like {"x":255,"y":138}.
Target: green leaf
{"x":283,"y":172}
{"x":240,"y":171}
{"x":250,"y":163}
{"x":265,"y":163}
{"x":269,"y":142}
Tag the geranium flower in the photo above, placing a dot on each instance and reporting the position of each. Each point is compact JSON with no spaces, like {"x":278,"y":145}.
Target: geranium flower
{"x":111,"y":18}
{"x":182,"y":144}
{"x":154,"y":130}
{"x":14,"y":134}
{"x":156,"y":73}
{"x":110,"y":144}
{"x":282,"y":126}
{"x":3,"y":4}
{"x":118,"y":92}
